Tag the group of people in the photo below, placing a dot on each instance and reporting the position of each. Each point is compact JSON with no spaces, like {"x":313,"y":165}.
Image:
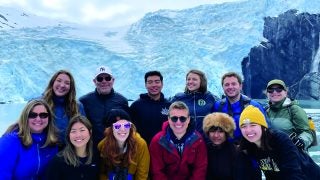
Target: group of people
{"x":193,"y":135}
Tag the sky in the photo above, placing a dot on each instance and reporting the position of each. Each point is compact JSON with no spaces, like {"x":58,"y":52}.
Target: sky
{"x":105,"y":13}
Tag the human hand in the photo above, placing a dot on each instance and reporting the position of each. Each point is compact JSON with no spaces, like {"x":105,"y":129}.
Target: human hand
{"x":296,"y":140}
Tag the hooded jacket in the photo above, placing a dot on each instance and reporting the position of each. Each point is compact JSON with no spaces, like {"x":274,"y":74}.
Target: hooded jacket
{"x":166,"y":162}
{"x":148,"y":115}
{"x":20,"y":162}
{"x":294,"y":121}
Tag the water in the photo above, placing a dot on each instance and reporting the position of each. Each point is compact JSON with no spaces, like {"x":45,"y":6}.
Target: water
{"x":9,"y":113}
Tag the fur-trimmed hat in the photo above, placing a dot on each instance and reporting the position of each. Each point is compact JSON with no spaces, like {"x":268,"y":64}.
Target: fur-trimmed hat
{"x":218,"y":119}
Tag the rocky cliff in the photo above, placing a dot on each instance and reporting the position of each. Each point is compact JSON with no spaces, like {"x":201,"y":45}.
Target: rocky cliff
{"x":289,"y":52}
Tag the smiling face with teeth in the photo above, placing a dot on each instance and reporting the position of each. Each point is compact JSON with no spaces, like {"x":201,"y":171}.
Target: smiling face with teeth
{"x":38,"y":124}
{"x":179,"y":128}
{"x":79,"y":135}
{"x":252,"y":132}
{"x":121,"y":130}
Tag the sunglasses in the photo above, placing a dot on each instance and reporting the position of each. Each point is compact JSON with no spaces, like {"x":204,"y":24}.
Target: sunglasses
{"x":175,"y":119}
{"x":42,"y":115}
{"x":271,"y":90}
{"x":107,"y":78}
{"x":117,"y":126}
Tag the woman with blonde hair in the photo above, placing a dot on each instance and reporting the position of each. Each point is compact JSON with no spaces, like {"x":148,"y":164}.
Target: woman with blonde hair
{"x":76,"y":160}
{"x":60,"y":95}
{"x":124,"y":152}
{"x":28,"y":145}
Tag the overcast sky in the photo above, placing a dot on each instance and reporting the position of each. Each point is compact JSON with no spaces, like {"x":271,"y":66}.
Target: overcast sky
{"x":110,"y":13}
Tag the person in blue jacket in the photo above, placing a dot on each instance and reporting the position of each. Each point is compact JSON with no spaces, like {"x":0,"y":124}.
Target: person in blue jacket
{"x":277,"y":156}
{"x":60,"y":94}
{"x":199,"y":100}
{"x":234,"y":101}
{"x":29,"y":144}
{"x":151,"y":109}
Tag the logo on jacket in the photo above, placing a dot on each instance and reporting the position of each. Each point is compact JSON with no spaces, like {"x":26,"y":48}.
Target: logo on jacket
{"x":201,"y":102}
{"x":165,"y":111}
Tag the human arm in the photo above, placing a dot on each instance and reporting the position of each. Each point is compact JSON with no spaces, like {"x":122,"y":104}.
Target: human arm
{"x":9,"y":153}
{"x":143,"y":162}
{"x":157,"y":166}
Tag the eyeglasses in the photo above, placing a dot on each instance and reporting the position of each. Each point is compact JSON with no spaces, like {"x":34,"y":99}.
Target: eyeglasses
{"x":42,"y":115}
{"x":107,"y":78}
{"x":278,"y":90}
{"x":175,"y":119}
{"x":117,"y":126}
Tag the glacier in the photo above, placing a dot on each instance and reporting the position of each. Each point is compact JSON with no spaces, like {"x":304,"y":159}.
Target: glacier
{"x":213,"y":38}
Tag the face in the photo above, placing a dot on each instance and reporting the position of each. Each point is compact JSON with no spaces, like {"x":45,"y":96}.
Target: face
{"x":154,"y":86}
{"x":38,"y":119}
{"x":179,"y":128}
{"x":217,"y":137}
{"x":193,"y":82}
{"x":252,"y":133}
{"x":61,"y":85}
{"x":104,"y":83}
{"x":276,"y":93}
{"x":231,"y":87}
{"x":79,"y":135}
{"x":121,"y":130}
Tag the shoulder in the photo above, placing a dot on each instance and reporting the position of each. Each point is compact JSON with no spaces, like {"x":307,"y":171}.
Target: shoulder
{"x":10,"y":139}
{"x":119,"y":96}
{"x":86,"y":96}
{"x":140,"y":141}
{"x":179,"y":96}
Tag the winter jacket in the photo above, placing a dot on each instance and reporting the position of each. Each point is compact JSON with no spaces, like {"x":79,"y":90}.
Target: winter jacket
{"x":60,"y":118}
{"x":97,"y":106}
{"x":138,"y":170}
{"x":148,"y":115}
{"x":226,"y":163}
{"x":235,"y":110}
{"x":285,"y":161}
{"x":199,"y":104}
{"x":166,"y":162}
{"x":58,"y":169}
{"x":290,"y":120}
{"x":20,"y":162}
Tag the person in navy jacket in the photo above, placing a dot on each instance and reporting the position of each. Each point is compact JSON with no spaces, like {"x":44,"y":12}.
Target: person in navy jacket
{"x":199,"y":100}
{"x":60,"y":94}
{"x":277,"y":156}
{"x":28,"y":145}
{"x":151,"y":109}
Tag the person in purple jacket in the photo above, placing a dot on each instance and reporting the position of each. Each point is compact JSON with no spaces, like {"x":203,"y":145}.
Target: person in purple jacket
{"x":29,"y":144}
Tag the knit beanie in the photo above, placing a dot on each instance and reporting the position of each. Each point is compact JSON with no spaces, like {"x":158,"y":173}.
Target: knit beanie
{"x":218,"y":119}
{"x":252,"y":114}
{"x":115,"y":115}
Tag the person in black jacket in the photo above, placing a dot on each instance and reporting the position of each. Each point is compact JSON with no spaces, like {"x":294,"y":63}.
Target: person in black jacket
{"x":274,"y":151}
{"x":225,"y":162}
{"x":77,"y":160}
{"x":99,"y":102}
{"x":151,"y":109}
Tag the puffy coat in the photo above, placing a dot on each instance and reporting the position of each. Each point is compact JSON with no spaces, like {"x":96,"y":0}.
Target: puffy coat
{"x":166,"y":162}
{"x":290,"y":120}
{"x":20,"y":162}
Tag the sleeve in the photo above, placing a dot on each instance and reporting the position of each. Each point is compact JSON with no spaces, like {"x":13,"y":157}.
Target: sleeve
{"x":81,"y":109}
{"x":9,"y":155}
{"x":143,"y":161}
{"x":301,"y":124}
{"x":201,"y":163}
{"x":133,"y":112}
{"x":157,"y":163}
{"x":287,"y":156}
{"x":54,"y":169}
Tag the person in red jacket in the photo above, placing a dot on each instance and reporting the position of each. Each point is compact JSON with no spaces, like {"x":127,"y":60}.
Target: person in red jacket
{"x":178,"y":151}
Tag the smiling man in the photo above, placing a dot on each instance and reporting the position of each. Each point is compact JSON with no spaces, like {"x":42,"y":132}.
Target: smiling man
{"x":99,"y":102}
{"x":151,"y":109}
{"x":234,"y":102}
{"x":178,"y":151}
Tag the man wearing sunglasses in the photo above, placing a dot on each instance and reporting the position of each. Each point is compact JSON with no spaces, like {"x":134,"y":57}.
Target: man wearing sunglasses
{"x":178,"y":151}
{"x":98,"y":102}
{"x":151,"y":109}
